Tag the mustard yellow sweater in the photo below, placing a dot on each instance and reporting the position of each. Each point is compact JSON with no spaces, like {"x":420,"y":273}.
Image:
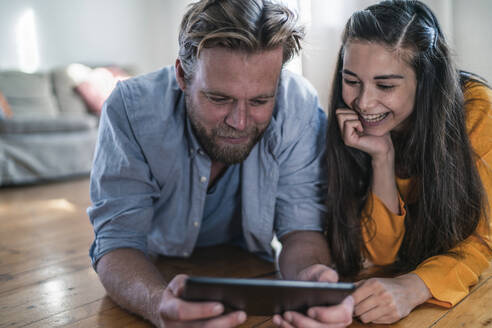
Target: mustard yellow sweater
{"x":447,"y":278}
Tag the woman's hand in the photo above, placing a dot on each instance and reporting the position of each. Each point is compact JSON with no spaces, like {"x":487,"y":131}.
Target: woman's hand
{"x":387,"y":300}
{"x":382,"y":153}
{"x":378,"y":147}
{"x":336,"y":316}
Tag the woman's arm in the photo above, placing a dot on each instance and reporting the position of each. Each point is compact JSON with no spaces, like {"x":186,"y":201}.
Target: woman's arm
{"x":448,"y":277}
{"x":382,"y":153}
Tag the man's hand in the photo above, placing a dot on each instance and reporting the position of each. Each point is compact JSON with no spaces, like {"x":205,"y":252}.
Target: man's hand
{"x":318,"y":272}
{"x":387,"y":300}
{"x":135,"y":284}
{"x":175,"y":312}
{"x":319,"y":316}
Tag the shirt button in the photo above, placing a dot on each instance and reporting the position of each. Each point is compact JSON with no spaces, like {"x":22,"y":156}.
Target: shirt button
{"x":196,"y":224}
{"x":191,"y":151}
{"x":200,"y":152}
{"x":185,"y":253}
{"x":203,"y":179}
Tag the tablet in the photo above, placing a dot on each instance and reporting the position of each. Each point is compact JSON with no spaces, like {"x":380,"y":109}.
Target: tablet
{"x":265,"y":296}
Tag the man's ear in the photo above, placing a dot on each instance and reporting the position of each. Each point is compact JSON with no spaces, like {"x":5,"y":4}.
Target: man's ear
{"x":180,"y":75}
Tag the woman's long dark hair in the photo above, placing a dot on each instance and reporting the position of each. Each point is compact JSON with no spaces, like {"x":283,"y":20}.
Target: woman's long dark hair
{"x":433,"y":147}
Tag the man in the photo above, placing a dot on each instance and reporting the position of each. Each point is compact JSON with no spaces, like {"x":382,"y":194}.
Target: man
{"x":222,"y":148}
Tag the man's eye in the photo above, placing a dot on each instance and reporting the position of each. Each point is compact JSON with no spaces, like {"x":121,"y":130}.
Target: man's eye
{"x":350,"y":82}
{"x":218,"y":100}
{"x":258,"y":102}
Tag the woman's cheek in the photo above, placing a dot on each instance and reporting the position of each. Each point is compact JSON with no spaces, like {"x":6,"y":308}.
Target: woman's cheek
{"x":348,"y":97}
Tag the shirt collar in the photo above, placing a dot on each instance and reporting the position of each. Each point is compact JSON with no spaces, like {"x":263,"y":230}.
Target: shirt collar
{"x":193,"y":145}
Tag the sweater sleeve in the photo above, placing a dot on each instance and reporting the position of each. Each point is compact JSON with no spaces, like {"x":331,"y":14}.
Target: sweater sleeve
{"x":449,"y":278}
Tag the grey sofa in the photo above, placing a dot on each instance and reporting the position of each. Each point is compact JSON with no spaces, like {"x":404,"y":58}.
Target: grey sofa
{"x":51,"y":134}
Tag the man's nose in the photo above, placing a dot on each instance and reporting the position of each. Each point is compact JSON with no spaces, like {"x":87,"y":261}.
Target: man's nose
{"x":237,"y":116}
{"x":366,"y":99}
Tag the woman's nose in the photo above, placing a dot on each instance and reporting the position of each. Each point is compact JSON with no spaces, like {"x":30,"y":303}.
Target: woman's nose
{"x":366,"y":99}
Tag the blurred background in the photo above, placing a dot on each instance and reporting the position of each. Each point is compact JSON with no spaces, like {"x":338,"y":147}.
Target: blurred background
{"x":39,"y":35}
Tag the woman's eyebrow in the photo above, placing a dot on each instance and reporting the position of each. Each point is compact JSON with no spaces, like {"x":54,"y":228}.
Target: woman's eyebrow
{"x":388,"y":76}
{"x":346,"y":71}
{"x":377,"y":77}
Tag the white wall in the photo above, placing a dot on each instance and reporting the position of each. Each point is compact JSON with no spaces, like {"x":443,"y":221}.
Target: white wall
{"x":139,"y":32}
{"x":165,"y":16}
{"x":467,"y":26}
{"x":144,"y":33}
{"x":472,"y":34}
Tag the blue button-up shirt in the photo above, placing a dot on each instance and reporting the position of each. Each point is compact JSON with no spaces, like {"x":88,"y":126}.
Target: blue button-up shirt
{"x":150,"y":176}
{"x":221,"y":222}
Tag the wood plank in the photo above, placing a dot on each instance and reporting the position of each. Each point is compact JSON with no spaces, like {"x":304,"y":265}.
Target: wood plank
{"x":39,"y":263}
{"x":46,"y":230}
{"x":74,"y":316}
{"x":16,"y":280}
{"x":216,"y":262}
{"x":424,"y":316}
{"x":47,"y":225}
{"x":116,"y":318}
{"x":474,"y":311}
{"x":33,"y":303}
{"x":76,"y":190}
{"x":40,"y":253}
{"x":111,"y":318}
{"x":43,"y":218}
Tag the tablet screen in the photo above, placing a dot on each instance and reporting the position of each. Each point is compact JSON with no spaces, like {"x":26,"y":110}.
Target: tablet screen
{"x":265,"y":296}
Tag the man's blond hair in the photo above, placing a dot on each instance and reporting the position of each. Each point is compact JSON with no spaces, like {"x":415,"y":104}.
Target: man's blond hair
{"x":245,"y":25}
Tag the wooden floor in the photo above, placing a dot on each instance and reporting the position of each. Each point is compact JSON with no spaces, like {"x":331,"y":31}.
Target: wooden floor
{"x":46,"y":279}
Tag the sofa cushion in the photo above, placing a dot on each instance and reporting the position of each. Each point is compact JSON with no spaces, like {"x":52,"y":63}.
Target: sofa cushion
{"x":29,"y":93}
{"x":34,"y":158}
{"x":64,"y":85}
{"x":43,"y":124}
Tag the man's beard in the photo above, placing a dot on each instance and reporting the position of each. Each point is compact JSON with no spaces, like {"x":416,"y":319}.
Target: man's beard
{"x":224,"y":153}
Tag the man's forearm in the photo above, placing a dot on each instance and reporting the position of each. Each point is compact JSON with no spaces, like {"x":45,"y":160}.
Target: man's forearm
{"x":132,"y":281}
{"x":301,"y":249}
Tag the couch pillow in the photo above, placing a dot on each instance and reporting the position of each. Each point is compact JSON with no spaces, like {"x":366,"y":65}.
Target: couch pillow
{"x":28,"y":94}
{"x":98,"y":84}
{"x":64,"y":85}
{"x":5,"y":110}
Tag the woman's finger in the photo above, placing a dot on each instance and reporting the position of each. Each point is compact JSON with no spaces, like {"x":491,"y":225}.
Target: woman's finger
{"x":366,"y":305}
{"x":351,"y":132}
{"x":375,"y":313}
{"x":279,"y":321}
{"x":343,"y":116}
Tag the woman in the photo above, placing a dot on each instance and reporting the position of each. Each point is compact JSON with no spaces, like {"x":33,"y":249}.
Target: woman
{"x":409,"y":157}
